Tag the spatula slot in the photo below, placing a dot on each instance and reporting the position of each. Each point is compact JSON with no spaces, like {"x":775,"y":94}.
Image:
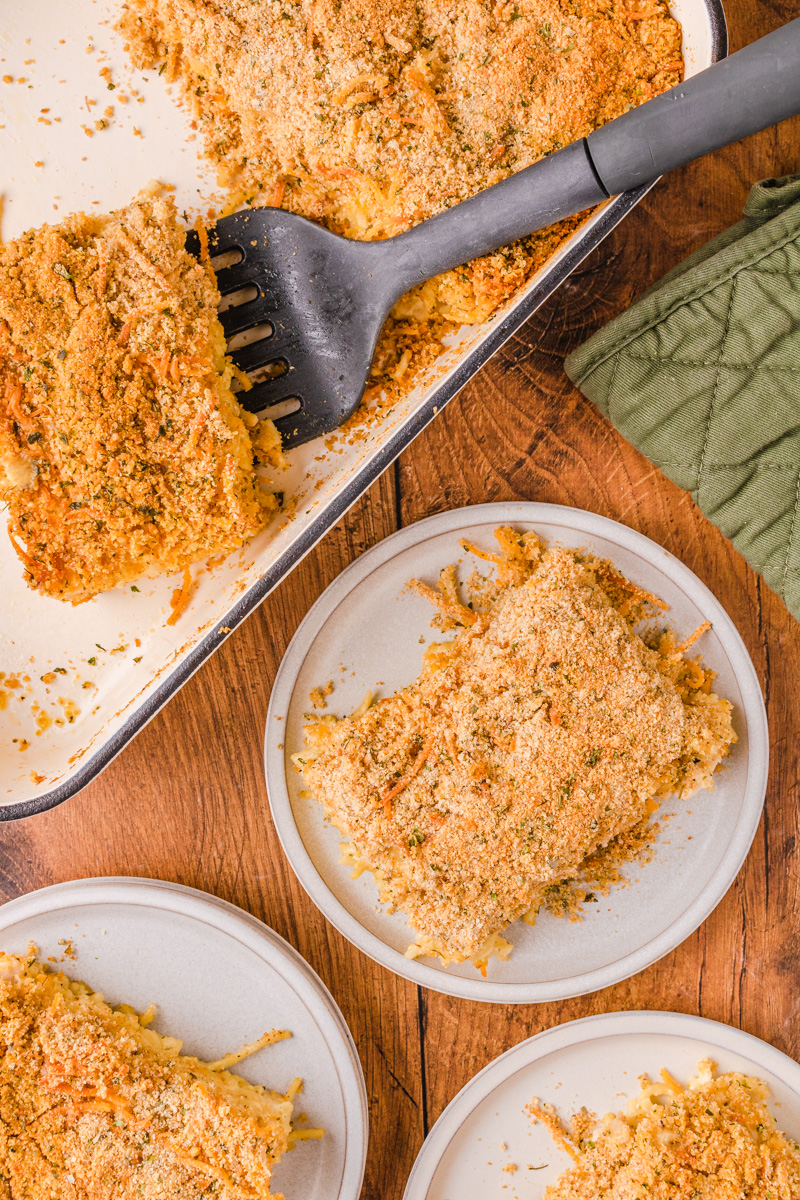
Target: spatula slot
{"x":248,"y":337}
{"x":228,"y":258}
{"x":263,"y":374}
{"x":236,"y":299}
{"x":285,"y":408}
{"x":271,"y":370}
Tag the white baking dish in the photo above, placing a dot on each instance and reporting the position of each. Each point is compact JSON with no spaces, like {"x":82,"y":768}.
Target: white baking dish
{"x":55,"y":60}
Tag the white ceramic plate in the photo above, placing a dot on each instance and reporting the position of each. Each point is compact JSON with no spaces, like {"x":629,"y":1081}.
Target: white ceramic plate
{"x":218,"y":978}
{"x":365,"y":632}
{"x":114,"y":658}
{"x":593,"y":1062}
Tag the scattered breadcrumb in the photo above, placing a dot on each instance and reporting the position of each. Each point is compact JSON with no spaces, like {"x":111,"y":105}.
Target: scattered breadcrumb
{"x":318,"y":696}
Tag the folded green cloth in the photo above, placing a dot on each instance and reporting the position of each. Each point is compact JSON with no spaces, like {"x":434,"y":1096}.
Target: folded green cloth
{"x":703,"y":376}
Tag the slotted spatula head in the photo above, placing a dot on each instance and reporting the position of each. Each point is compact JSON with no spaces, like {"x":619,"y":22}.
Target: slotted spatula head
{"x":321,"y":299}
{"x":302,"y":309}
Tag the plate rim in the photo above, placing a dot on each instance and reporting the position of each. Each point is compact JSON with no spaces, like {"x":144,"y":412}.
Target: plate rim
{"x":491,"y":991}
{"x":193,"y":902}
{"x":718,"y":1034}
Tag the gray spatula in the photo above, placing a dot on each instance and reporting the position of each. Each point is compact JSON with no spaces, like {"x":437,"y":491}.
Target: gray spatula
{"x":314,"y":302}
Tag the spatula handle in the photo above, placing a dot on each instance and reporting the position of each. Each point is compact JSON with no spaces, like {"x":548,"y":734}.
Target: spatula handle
{"x":757,"y":87}
{"x":558,"y":186}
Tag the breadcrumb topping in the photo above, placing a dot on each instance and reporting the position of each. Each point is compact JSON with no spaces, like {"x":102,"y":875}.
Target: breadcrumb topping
{"x":544,"y":730}
{"x":94,"y":1105}
{"x":372,"y":115}
{"x":713,"y":1140}
{"x":123,"y":450}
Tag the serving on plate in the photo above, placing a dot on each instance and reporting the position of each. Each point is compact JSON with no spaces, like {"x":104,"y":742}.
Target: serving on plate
{"x":486,"y":1138}
{"x":527,"y":757}
{"x":91,"y":1091}
{"x":711,"y":1133}
{"x":365,"y":632}
{"x":215,"y":978}
{"x":123,"y":661}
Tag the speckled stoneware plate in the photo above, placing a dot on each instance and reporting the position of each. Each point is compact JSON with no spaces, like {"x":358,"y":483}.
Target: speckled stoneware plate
{"x":367,"y":631}
{"x":594,"y":1063}
{"x":218,"y":978}
{"x":113,"y":661}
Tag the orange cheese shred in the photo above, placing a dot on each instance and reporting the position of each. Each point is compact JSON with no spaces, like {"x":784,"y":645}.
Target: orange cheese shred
{"x":180,"y":597}
{"x":402,"y":784}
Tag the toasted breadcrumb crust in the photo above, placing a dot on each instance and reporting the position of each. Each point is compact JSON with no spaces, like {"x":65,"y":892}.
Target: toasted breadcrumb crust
{"x":372,"y":115}
{"x":94,"y":1106}
{"x":600,"y":872}
{"x":714,"y":1140}
{"x":123,"y":450}
{"x":544,"y":730}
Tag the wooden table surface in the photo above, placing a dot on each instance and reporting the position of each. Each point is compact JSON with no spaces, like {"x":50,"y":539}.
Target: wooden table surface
{"x":186,"y":801}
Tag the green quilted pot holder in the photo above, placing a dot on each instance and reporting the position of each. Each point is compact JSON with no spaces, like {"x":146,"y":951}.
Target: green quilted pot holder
{"x":703,"y":376}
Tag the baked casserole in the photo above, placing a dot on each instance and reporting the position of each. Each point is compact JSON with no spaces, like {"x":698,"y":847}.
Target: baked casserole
{"x":95,"y":1104}
{"x":372,"y":115}
{"x":123,"y":450}
{"x":545,"y":729}
{"x":714,"y":1139}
